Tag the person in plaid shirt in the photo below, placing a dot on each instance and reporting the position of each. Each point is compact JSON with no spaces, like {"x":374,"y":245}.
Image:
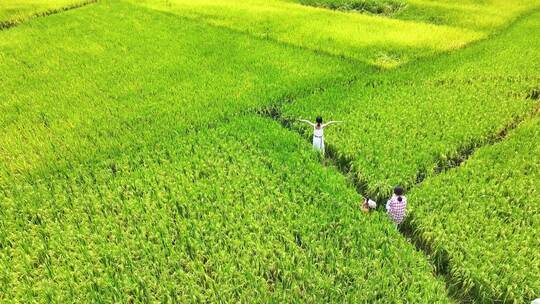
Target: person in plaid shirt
{"x":396,"y":206}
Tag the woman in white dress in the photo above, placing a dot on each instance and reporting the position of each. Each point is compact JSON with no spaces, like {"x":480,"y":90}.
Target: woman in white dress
{"x":318,"y":132}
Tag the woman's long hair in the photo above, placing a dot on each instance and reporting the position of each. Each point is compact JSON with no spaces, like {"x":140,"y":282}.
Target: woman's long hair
{"x":319,"y":121}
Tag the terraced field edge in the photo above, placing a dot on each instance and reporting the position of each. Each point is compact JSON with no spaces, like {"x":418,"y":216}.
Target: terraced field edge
{"x":7,"y":24}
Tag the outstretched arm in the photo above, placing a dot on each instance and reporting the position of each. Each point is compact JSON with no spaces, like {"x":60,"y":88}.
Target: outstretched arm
{"x":331,"y":122}
{"x":308,"y":122}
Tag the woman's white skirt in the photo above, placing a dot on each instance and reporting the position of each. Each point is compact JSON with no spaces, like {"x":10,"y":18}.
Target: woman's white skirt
{"x":318,"y":143}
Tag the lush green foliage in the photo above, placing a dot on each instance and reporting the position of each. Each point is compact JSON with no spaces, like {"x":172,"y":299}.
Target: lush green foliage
{"x":15,"y":11}
{"x":484,"y":218}
{"x":235,"y":213}
{"x":126,"y":177}
{"x":123,"y":178}
{"x":484,"y":15}
{"x":105,"y":78}
{"x":402,"y":126}
{"x":364,"y":6}
{"x":370,"y":39}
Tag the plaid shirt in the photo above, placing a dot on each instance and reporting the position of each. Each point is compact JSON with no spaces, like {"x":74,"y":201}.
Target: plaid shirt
{"x":396,"y":209}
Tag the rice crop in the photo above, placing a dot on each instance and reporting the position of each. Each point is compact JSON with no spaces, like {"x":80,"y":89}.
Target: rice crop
{"x":480,"y":221}
{"x":16,"y":11}
{"x":361,"y":6}
{"x":374,"y":40}
{"x":483,"y":218}
{"x":103,"y":79}
{"x":240,"y":212}
{"x":485,"y":16}
{"x":135,"y":165}
{"x":406,"y":125}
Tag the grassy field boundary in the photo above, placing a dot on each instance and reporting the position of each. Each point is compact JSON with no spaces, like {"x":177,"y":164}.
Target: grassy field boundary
{"x":410,"y":61}
{"x":285,"y":44}
{"x":4,"y":25}
{"x":497,"y":32}
{"x":383,"y":8}
{"x":372,"y":50}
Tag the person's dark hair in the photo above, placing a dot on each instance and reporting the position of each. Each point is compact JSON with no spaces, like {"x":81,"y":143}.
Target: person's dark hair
{"x":318,"y":119}
{"x":398,"y":191}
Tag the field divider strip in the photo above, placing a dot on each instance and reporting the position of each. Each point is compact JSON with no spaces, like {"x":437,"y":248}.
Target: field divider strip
{"x":7,"y":24}
{"x":465,"y":152}
{"x":319,"y":52}
{"x":344,"y":57}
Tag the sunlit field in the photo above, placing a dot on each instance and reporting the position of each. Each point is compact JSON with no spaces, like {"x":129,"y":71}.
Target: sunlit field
{"x":13,"y":12}
{"x":151,"y":151}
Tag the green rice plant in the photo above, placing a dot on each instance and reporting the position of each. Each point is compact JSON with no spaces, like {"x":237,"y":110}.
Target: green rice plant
{"x":344,"y":34}
{"x":106,"y":78}
{"x":124,"y":177}
{"x":484,"y":218}
{"x":485,"y":16}
{"x":238,"y":213}
{"x":363,"y":6}
{"x":406,"y":125}
{"x":13,"y":12}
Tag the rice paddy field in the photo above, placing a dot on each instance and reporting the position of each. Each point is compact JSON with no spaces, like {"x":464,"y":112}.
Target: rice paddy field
{"x":150,"y":151}
{"x":14,"y":12}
